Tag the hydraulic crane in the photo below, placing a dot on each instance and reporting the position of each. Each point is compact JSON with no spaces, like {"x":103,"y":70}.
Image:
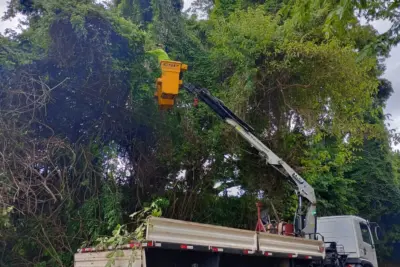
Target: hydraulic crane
{"x":168,"y":86}
{"x":343,"y":240}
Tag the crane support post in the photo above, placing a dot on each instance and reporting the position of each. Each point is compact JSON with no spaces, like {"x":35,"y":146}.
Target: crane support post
{"x":169,"y":83}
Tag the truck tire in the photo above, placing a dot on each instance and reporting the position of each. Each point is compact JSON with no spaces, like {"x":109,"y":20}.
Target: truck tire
{"x":285,"y":263}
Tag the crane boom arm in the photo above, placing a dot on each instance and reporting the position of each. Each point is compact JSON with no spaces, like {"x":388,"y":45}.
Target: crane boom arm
{"x":168,"y":88}
{"x":304,"y":225}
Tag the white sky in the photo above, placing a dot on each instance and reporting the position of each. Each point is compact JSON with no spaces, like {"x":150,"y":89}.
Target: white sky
{"x":8,"y":23}
{"x":187,"y":3}
{"x":392,"y":71}
{"x":392,"y":63}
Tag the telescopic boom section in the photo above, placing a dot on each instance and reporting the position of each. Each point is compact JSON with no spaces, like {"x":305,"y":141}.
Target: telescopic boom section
{"x":305,"y":222}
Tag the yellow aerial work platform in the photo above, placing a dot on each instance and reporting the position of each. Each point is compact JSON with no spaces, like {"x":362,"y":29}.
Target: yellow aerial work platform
{"x":169,"y":83}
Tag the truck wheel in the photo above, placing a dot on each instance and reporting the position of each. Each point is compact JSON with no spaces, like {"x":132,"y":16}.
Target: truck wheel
{"x":285,"y":263}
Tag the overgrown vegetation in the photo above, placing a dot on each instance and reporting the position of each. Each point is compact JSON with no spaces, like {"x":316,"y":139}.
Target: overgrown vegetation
{"x":83,"y":145}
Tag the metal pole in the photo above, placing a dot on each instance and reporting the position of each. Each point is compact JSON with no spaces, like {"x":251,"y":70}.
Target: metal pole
{"x":260,"y":226}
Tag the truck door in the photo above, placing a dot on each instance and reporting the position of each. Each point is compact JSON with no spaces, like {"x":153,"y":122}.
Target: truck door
{"x":366,"y":244}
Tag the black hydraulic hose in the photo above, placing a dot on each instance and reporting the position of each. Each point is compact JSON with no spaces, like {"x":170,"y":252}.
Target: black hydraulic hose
{"x":217,"y":105}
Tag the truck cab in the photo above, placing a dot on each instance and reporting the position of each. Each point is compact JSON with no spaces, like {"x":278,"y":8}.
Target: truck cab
{"x":354,"y":235}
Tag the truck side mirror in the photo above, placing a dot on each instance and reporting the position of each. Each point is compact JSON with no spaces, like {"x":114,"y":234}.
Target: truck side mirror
{"x":377,"y":232}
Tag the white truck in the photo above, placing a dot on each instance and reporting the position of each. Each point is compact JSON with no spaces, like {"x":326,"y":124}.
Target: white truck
{"x":171,"y":243}
{"x":340,"y":241}
{"x":174,"y":243}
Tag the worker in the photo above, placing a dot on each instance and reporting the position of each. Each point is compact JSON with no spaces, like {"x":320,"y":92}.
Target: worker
{"x":159,"y":52}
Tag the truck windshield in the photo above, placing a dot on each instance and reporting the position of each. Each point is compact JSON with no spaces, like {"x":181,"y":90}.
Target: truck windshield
{"x":365,"y":233}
